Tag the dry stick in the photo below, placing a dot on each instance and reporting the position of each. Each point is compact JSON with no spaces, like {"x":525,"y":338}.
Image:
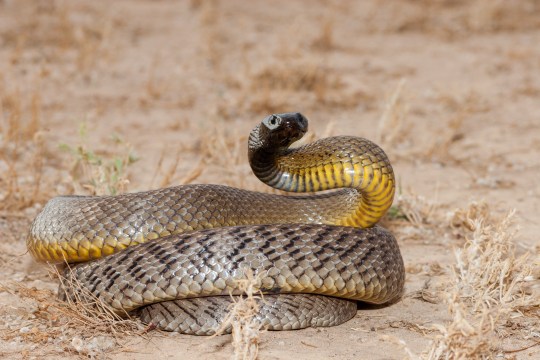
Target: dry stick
{"x":392,"y":118}
{"x":166,"y":180}
{"x":522,"y":349}
{"x":170,"y":171}
{"x":37,"y":165}
{"x":194,"y":174}
{"x":158,"y":165}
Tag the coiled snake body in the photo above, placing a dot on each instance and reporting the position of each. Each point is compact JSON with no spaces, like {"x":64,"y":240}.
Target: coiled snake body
{"x":313,"y":255}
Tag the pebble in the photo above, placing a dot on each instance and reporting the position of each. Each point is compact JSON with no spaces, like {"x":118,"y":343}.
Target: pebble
{"x":25,"y":330}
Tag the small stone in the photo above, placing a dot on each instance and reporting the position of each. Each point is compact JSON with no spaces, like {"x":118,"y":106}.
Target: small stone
{"x":77,"y":343}
{"x":25,"y":330}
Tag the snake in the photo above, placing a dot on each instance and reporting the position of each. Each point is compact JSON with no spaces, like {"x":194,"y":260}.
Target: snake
{"x":175,"y":257}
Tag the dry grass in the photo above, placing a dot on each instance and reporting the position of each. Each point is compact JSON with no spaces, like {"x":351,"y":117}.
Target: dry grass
{"x":489,"y":287}
{"x":83,"y":326}
{"x":279,"y":87}
{"x":452,"y":19}
{"x":276,"y":87}
{"x":492,"y":295}
{"x":414,"y":209}
{"x":168,"y":173}
{"x":50,"y":25}
{"x":391,"y":124}
{"x":100,"y":173}
{"x":21,"y":150}
{"x":223,"y":153}
{"x":467,"y":217}
{"x":25,"y":177}
{"x":325,"y":40}
{"x":397,"y":124}
{"x":241,"y":319}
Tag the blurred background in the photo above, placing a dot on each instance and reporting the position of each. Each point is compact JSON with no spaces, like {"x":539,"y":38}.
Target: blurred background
{"x":427,"y":79}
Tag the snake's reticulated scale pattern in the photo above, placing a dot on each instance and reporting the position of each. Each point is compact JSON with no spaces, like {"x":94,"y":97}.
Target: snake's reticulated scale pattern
{"x":327,"y":256}
{"x":202,"y":316}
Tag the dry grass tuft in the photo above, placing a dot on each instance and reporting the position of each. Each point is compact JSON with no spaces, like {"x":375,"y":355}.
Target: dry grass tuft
{"x":467,"y":217}
{"x":85,"y":326}
{"x":489,"y":287}
{"x":414,"y":209}
{"x":412,"y":218}
{"x":277,"y":87}
{"x":325,"y":40}
{"x":21,"y":150}
{"x":241,"y":319}
{"x":303,"y":77}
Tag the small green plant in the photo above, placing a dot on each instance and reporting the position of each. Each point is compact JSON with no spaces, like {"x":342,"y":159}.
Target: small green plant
{"x":100,"y":174}
{"x":396,"y":213}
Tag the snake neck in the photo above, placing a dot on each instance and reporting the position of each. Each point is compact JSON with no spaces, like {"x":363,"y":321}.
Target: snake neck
{"x":332,"y":163}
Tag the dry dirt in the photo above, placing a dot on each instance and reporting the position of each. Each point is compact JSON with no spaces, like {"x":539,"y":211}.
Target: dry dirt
{"x":102,"y":96}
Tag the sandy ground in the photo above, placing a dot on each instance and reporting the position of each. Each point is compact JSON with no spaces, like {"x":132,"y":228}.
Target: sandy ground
{"x":450,"y":89}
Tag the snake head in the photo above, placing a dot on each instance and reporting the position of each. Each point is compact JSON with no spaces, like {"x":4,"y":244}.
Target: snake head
{"x":278,"y":131}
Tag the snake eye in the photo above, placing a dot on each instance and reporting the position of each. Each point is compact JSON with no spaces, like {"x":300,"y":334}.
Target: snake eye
{"x":272,"y":122}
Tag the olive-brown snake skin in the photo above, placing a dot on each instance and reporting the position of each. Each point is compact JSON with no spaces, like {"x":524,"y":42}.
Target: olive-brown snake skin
{"x":314,"y":256}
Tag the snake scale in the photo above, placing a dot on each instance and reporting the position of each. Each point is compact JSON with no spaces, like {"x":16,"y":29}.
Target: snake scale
{"x":314,"y":255}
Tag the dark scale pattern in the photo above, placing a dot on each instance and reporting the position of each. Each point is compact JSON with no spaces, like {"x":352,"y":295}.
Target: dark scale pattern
{"x":364,"y":265}
{"x":203,"y":316}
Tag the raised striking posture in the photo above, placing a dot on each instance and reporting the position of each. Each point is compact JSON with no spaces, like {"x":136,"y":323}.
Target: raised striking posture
{"x":173,"y":256}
